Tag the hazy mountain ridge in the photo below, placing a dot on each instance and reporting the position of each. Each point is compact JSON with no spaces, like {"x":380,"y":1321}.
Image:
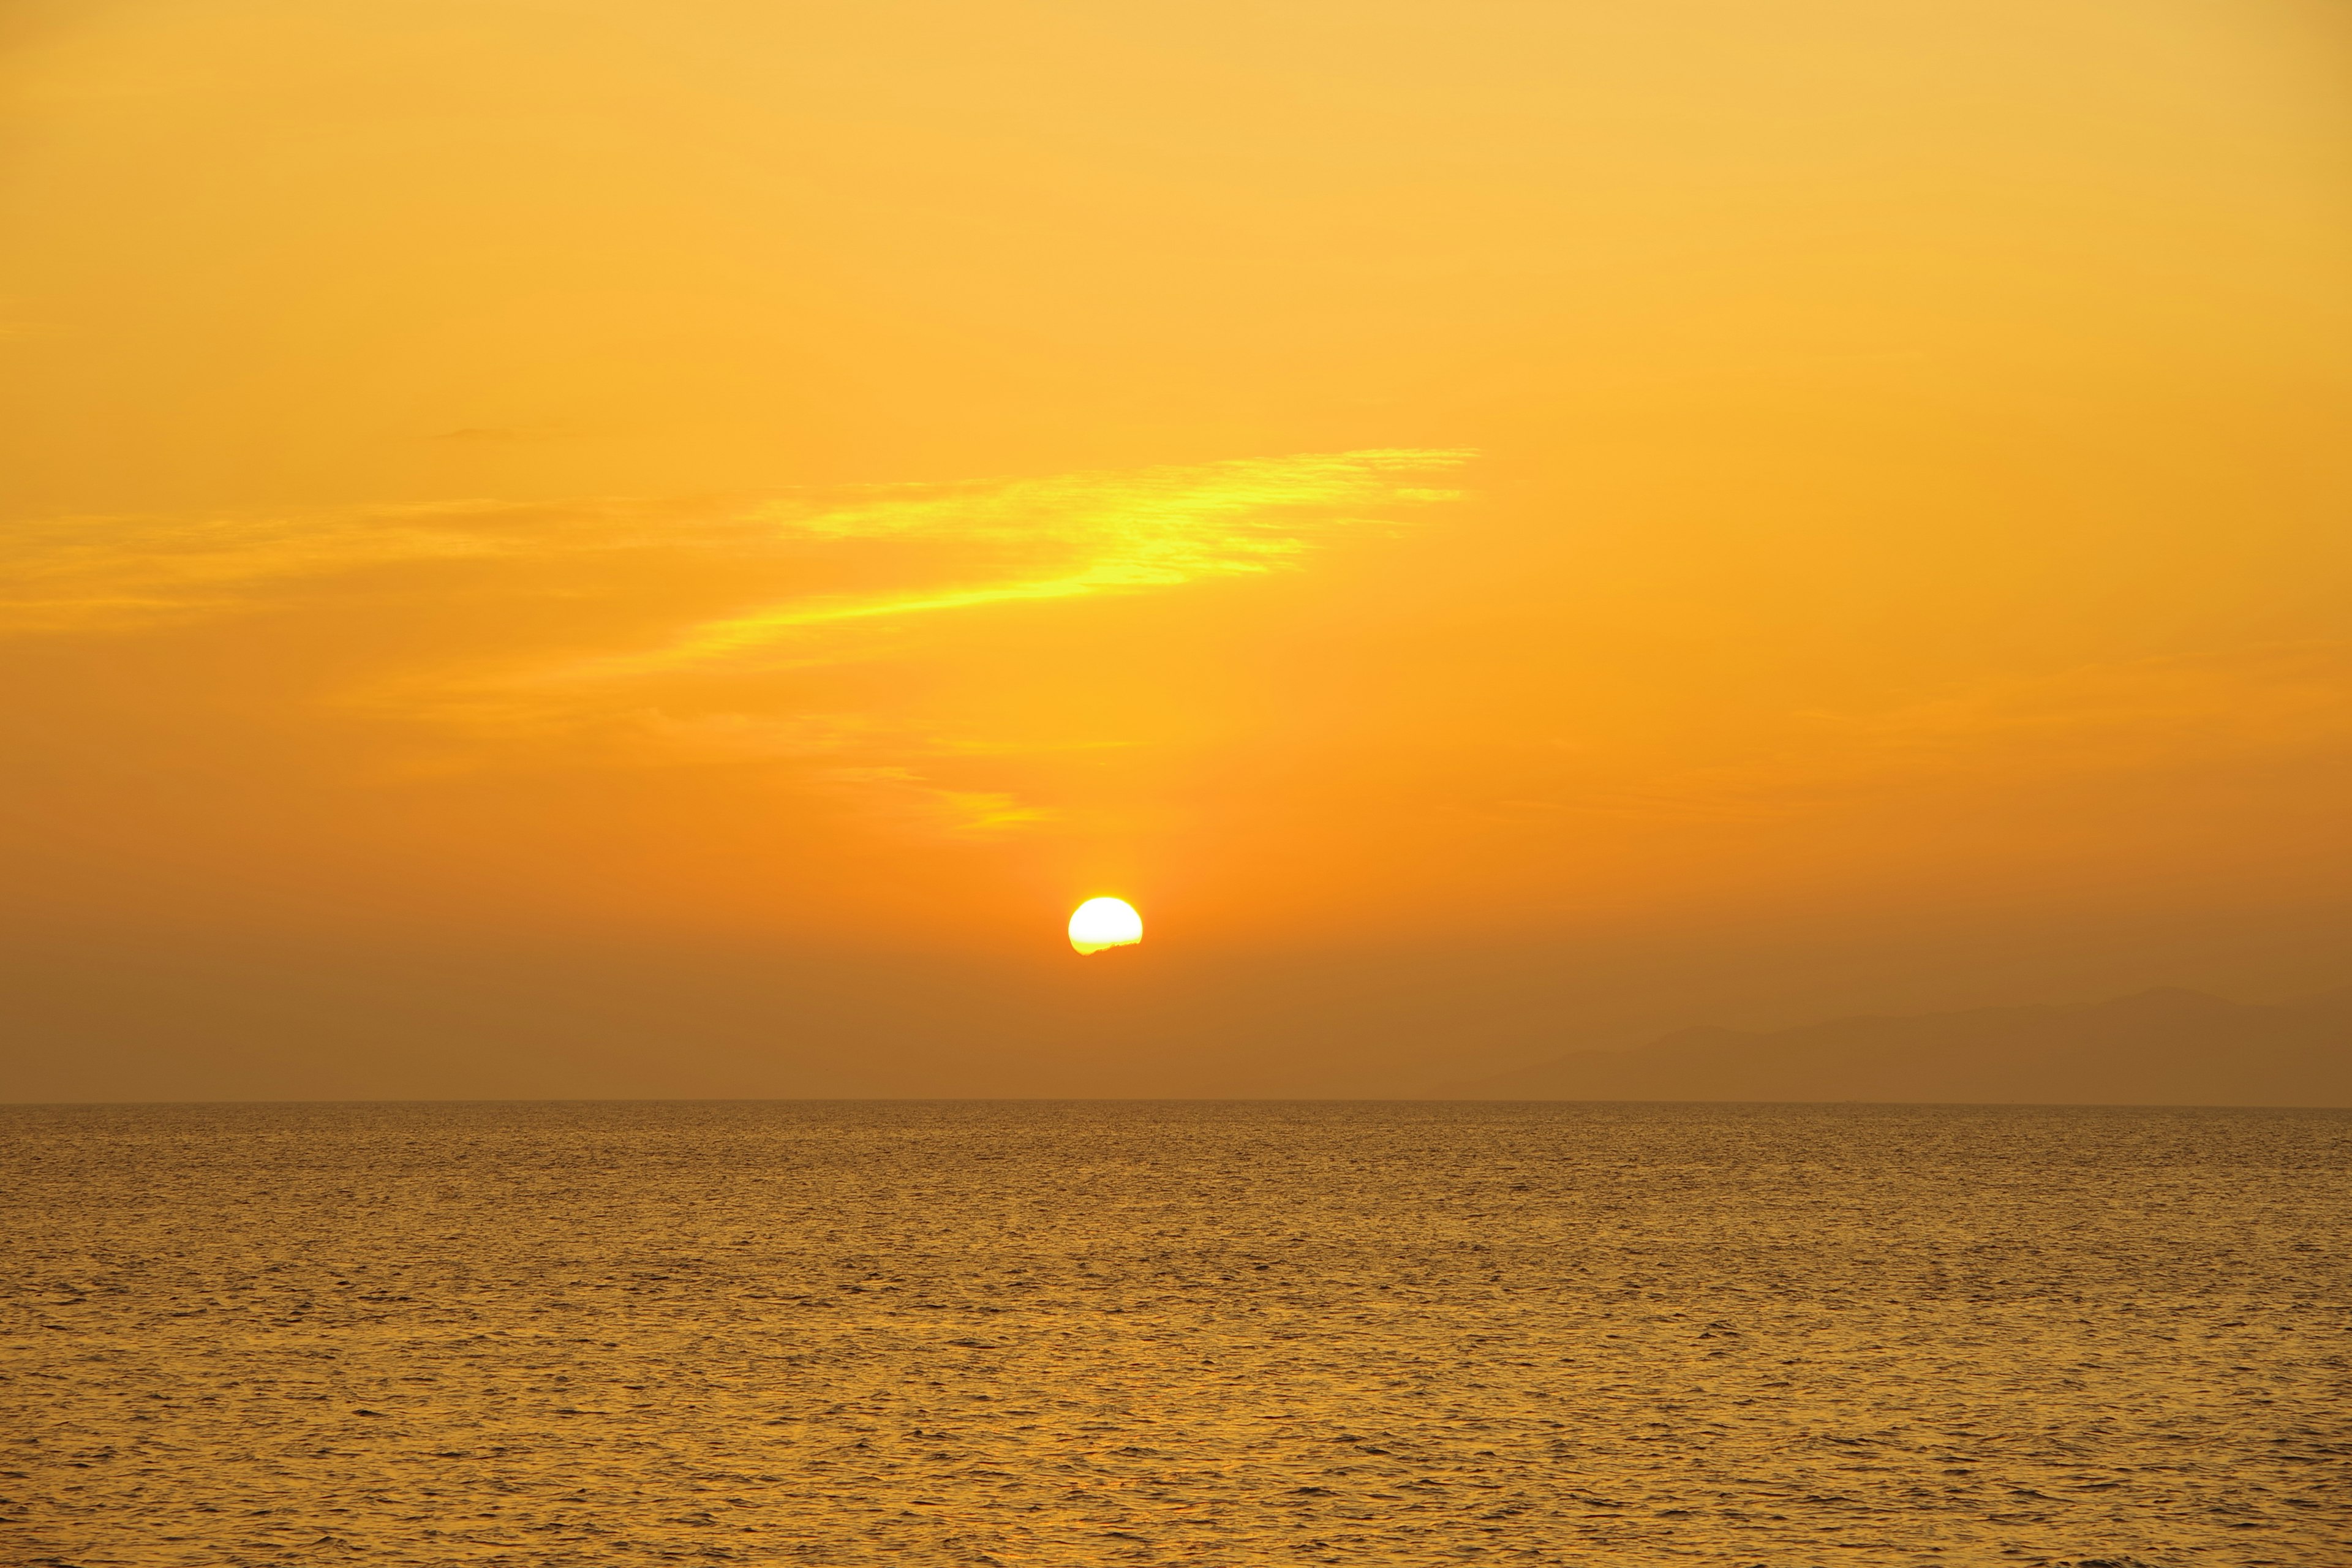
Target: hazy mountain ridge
{"x":2158,"y":1048}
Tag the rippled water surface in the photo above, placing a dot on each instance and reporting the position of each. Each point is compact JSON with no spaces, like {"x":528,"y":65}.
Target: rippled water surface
{"x":1062,"y":1334}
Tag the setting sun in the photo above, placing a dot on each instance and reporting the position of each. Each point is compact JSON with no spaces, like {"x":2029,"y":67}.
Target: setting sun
{"x":1099,"y":924}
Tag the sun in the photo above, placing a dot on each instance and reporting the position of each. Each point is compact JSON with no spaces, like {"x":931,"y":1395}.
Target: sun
{"x":1099,"y":924}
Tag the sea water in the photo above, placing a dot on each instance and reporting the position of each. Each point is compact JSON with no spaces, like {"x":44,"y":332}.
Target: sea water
{"x":1096,"y":1332}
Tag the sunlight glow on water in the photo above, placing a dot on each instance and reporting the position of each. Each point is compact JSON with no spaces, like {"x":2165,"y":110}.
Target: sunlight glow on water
{"x":1055,"y":1334}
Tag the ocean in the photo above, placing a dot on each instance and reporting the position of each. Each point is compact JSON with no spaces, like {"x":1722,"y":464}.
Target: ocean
{"x":1066,"y":1333}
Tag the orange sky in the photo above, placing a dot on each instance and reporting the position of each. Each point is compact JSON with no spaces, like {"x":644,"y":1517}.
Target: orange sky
{"x":607,"y":548}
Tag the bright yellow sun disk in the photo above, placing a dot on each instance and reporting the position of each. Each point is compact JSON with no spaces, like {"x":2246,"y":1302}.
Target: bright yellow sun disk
{"x":1099,"y":924}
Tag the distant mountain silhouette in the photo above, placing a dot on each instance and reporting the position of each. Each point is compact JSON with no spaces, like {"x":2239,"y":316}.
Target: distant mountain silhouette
{"x":2159,"y":1047}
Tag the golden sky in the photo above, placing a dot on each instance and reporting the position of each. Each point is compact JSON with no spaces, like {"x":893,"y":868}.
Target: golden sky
{"x":609,"y":548}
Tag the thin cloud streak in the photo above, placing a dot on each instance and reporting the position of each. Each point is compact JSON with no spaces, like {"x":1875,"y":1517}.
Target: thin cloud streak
{"x":1042,"y":539}
{"x":591,"y":631}
{"x":114,"y":574}
{"x":1159,"y":527}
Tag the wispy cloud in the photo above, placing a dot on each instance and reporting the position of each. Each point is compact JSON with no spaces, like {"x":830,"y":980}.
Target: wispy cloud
{"x":1072,"y":536}
{"x":119,"y":573}
{"x":953,"y":550}
{"x":957,"y":546}
{"x":638,"y":634}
